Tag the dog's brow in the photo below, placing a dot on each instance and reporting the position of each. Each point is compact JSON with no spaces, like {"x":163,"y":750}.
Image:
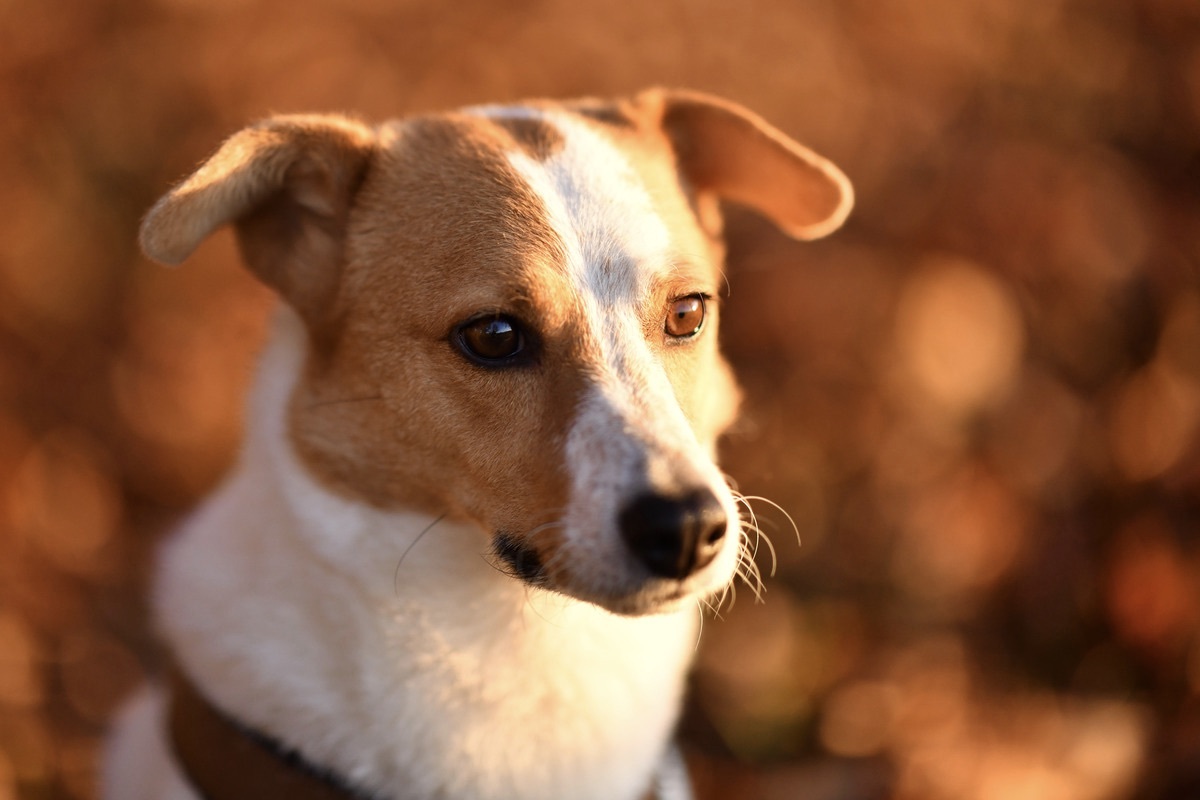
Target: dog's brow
{"x":599,"y":208}
{"x":683,"y":269}
{"x":607,"y":114}
{"x":538,"y":138}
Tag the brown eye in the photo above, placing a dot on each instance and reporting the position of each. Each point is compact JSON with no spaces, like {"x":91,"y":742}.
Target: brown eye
{"x":685,"y":316}
{"x":491,"y":341}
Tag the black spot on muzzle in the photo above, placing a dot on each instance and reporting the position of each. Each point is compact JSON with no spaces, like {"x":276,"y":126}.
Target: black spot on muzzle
{"x":522,"y":559}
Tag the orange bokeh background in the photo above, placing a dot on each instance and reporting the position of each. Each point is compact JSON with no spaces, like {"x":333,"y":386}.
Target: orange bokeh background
{"x":979,"y":402}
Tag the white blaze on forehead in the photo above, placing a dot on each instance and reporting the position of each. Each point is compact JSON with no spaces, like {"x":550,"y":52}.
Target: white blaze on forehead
{"x":630,"y":434}
{"x":614,"y":242}
{"x":611,"y":233}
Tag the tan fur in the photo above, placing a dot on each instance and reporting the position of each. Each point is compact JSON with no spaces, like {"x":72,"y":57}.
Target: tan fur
{"x":726,"y":149}
{"x":573,"y":466}
{"x":470,"y":442}
{"x":385,"y":240}
{"x":287,"y":183}
{"x":429,"y":251}
{"x":536,"y":137}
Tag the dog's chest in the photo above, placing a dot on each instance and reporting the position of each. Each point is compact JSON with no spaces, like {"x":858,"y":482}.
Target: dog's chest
{"x":471,"y":686}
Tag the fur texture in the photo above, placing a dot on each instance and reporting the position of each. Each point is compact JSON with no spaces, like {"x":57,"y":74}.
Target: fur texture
{"x":421,"y":573}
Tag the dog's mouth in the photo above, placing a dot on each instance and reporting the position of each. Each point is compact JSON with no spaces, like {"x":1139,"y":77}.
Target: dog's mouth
{"x":520,"y":560}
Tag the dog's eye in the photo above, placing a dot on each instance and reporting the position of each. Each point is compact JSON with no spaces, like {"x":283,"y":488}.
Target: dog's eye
{"x":491,"y":340}
{"x":685,"y":316}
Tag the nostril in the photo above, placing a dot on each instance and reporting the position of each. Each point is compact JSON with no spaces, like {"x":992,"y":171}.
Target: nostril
{"x":715,"y":523}
{"x":674,"y":536}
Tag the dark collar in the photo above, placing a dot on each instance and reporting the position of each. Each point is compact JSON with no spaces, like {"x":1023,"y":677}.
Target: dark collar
{"x":224,"y":760}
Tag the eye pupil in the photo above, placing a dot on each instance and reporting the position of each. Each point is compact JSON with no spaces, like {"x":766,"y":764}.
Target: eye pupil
{"x":492,"y":338}
{"x":685,"y":316}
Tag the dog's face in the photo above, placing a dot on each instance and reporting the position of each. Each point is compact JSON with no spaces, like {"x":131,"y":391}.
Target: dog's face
{"x":513,"y":318}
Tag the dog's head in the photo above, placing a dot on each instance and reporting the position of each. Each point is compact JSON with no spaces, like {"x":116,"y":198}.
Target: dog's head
{"x":512,"y":316}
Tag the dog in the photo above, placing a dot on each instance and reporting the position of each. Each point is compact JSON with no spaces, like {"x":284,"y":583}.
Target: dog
{"x":465,"y":547}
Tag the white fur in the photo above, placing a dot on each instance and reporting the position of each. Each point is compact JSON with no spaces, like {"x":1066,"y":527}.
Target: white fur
{"x":293,"y":608}
{"x":385,"y":646}
{"x":629,"y":434}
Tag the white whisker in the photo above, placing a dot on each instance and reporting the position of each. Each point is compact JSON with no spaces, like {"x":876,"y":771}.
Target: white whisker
{"x":780,"y":509}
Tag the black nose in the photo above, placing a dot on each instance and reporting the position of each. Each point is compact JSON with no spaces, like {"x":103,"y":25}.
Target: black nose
{"x":674,"y":536}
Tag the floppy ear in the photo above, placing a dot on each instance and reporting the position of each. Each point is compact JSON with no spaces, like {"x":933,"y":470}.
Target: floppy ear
{"x":288,"y":184}
{"x":731,"y":151}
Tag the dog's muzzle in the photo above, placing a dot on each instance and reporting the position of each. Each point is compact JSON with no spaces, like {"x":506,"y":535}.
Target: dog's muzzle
{"x":669,"y":536}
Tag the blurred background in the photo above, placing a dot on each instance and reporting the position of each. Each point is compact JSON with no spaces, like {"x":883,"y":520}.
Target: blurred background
{"x":979,"y":402}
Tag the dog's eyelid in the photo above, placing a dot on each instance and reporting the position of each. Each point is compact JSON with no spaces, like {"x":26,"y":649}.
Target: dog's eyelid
{"x":494,"y":340}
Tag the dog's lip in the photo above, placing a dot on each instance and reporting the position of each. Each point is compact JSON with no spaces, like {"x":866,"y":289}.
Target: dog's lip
{"x":647,"y":602}
{"x":654,"y":596}
{"x":524,"y":560}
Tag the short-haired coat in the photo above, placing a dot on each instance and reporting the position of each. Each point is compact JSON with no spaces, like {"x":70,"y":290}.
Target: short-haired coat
{"x":463,"y":548}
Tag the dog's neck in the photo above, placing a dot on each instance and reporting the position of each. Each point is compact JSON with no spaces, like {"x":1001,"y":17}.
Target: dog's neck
{"x":385,"y":645}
